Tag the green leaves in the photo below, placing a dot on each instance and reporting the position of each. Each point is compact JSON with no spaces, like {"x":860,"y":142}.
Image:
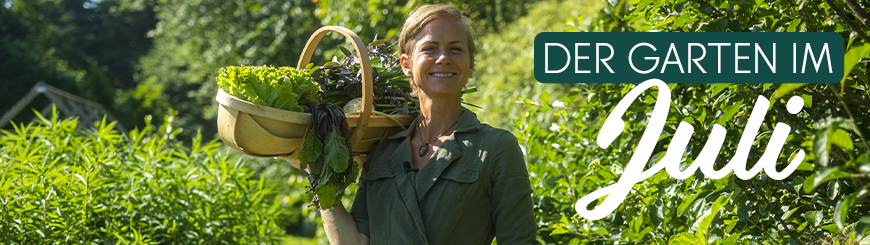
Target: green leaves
{"x":311,"y":151}
{"x":284,"y":88}
{"x":793,"y":25}
{"x":823,"y":176}
{"x":336,"y":152}
{"x":784,"y":89}
{"x":851,"y":59}
{"x":714,"y":211}
{"x":815,"y":217}
{"x":60,"y":184}
{"x":686,"y":202}
{"x":729,"y":113}
{"x":328,"y":194}
{"x":327,"y":154}
{"x":842,"y":139}
{"x":842,"y":209}
{"x":820,"y":147}
{"x":863,"y":224}
{"x":797,"y":210}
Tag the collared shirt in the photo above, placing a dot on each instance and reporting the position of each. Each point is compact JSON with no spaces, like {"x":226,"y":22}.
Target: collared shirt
{"x":473,"y":188}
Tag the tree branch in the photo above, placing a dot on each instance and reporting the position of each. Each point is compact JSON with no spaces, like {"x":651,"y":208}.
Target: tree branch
{"x":849,"y":97}
{"x":787,"y":230}
{"x":848,"y":21}
{"x":859,"y":12}
{"x":777,"y":218}
{"x":854,"y":98}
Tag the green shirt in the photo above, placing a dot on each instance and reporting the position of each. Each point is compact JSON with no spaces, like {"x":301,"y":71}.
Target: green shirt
{"x":473,"y":188}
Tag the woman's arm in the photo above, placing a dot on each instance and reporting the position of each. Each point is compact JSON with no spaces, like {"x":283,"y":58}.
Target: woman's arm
{"x":340,"y":226}
{"x":512,"y":194}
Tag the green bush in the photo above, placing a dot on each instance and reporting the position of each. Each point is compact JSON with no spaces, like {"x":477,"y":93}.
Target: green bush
{"x":61,"y":185}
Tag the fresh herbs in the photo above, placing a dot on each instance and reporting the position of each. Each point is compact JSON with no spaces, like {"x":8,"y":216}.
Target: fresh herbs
{"x":341,"y":82}
{"x":284,"y":88}
{"x":327,"y":154}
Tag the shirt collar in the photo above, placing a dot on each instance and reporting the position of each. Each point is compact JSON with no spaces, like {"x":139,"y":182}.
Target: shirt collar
{"x":467,"y":123}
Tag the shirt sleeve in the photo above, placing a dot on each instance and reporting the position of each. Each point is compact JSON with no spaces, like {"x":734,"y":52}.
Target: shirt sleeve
{"x":359,"y":210}
{"x":511,"y":194}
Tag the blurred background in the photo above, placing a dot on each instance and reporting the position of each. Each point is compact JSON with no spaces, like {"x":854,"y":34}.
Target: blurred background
{"x":145,"y":57}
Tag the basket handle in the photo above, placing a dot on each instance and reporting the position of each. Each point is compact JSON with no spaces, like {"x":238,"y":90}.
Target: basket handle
{"x":367,"y":81}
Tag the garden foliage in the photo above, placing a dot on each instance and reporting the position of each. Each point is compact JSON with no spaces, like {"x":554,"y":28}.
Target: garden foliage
{"x":825,"y":201}
{"x":61,"y":185}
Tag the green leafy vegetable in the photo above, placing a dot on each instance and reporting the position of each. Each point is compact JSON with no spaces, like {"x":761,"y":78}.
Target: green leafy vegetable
{"x":284,"y":88}
{"x":327,"y":154}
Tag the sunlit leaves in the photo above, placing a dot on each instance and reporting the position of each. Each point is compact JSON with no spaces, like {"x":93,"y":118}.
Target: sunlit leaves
{"x":62,"y":185}
{"x":785,"y":89}
{"x":285,"y":88}
{"x":842,"y":209}
{"x":714,"y":211}
{"x":853,"y":55}
{"x":327,"y":155}
{"x":842,"y":139}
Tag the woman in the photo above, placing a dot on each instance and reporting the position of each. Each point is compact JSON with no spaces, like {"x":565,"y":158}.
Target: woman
{"x":447,"y":179}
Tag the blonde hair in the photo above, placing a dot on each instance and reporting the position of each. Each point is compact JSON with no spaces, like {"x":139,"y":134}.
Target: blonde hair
{"x":422,"y":15}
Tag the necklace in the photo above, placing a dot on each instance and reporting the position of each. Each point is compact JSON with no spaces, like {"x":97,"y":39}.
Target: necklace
{"x":425,"y":147}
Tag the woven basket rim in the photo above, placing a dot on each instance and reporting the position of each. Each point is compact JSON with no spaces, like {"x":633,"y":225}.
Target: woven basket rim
{"x":245,"y":106}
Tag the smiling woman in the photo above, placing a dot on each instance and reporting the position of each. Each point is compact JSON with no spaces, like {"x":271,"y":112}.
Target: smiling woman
{"x":447,"y":179}
{"x":440,"y":57}
{"x":421,"y":39}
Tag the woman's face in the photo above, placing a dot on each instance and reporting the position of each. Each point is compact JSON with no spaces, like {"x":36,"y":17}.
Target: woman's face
{"x":439,"y":63}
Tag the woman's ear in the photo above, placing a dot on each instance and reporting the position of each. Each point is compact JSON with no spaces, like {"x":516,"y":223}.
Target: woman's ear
{"x":406,"y":65}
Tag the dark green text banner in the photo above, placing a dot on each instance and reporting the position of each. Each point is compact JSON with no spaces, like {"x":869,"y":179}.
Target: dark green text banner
{"x":733,"y":57}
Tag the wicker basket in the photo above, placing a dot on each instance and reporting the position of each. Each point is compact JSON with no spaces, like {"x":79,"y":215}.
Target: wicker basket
{"x":263,"y":131}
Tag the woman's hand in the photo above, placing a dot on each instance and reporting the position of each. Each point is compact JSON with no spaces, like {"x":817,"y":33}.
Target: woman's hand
{"x":337,"y":222}
{"x":340,"y":227}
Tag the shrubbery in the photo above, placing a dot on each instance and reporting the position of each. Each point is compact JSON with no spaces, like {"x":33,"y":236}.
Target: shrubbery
{"x":824,"y":202}
{"x":566,"y":164}
{"x":60,"y":184}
